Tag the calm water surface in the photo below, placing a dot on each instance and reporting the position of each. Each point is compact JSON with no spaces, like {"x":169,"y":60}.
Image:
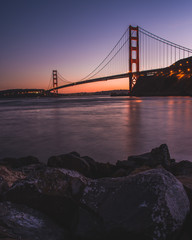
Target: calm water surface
{"x":105,"y":128}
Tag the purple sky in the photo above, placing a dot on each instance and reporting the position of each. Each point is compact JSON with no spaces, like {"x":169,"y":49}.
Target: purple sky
{"x":73,"y":36}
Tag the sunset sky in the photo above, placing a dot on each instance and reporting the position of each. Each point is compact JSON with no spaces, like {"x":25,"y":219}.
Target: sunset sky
{"x":74,"y":36}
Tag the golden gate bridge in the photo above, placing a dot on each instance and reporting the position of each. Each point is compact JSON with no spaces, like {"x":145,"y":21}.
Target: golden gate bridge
{"x":137,"y":53}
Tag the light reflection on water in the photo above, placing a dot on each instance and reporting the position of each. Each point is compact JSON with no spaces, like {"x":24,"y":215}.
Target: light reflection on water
{"x":105,"y":128}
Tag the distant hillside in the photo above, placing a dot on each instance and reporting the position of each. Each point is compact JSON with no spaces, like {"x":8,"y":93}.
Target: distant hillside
{"x":176,"y":82}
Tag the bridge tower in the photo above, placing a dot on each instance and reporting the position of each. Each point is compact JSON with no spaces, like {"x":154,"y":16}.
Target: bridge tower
{"x":133,"y":55}
{"x":55,"y":81}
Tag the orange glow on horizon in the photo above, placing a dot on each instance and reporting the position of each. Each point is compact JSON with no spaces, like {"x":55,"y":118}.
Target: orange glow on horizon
{"x":118,"y":84}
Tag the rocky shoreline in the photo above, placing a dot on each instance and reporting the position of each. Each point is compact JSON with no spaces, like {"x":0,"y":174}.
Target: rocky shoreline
{"x":146,"y":197}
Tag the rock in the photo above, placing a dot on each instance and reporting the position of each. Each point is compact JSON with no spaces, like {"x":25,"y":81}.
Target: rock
{"x":55,"y":192}
{"x":157,"y":156}
{"x":84,"y":165}
{"x":70,"y":161}
{"x":161,"y":156}
{"x":186,"y":233}
{"x":181,"y":168}
{"x":92,"y":166}
{"x":10,"y":176}
{"x":120,"y":173}
{"x":32,"y":168}
{"x":19,"y":162}
{"x":21,"y":222}
{"x":187,"y":183}
{"x":149,"y":205}
{"x":140,"y":169}
{"x":3,"y":186}
{"x":105,"y":170}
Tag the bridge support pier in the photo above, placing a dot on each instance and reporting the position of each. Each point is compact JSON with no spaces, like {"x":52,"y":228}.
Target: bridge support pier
{"x":133,"y":55}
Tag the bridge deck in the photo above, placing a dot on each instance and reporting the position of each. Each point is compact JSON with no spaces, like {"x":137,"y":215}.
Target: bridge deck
{"x":124,"y":75}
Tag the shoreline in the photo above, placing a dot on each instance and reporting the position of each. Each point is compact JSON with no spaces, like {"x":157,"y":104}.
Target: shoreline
{"x":70,"y":193}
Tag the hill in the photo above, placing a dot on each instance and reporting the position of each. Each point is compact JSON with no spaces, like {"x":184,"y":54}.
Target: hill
{"x":176,"y":80}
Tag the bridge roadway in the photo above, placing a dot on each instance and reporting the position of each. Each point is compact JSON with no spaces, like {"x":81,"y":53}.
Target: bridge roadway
{"x":113,"y":77}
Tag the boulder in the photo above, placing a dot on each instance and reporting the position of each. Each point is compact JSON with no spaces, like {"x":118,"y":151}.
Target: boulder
{"x":149,"y":205}
{"x":71,"y":161}
{"x":157,"y":156}
{"x":19,"y":162}
{"x":187,"y":183}
{"x":32,"y":168}
{"x":10,"y":176}
{"x":84,"y":165}
{"x":181,"y":168}
{"x":21,"y":222}
{"x":55,"y":192}
{"x":100,"y":170}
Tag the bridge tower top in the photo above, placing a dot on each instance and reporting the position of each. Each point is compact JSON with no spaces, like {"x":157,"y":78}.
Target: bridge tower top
{"x":133,"y":53}
{"x":55,"y":81}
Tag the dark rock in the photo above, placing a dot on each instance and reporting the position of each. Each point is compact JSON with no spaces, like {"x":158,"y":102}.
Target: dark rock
{"x":105,"y":170}
{"x":10,"y":175}
{"x":120,"y":173}
{"x":149,"y":205}
{"x":157,"y":156}
{"x":84,"y":165}
{"x":32,"y":168}
{"x":3,"y":186}
{"x":92,"y":165}
{"x":181,"y":168}
{"x":55,"y":192}
{"x":100,"y":170}
{"x":75,"y":154}
{"x":19,"y":162}
{"x":186,"y":233}
{"x":140,"y":160}
{"x":141,"y":169}
{"x":21,"y":222}
{"x":187,"y":183}
{"x":70,"y":161}
{"x":161,"y":156}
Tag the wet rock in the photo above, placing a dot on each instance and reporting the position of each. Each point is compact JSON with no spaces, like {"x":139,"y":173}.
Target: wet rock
{"x":149,"y":205}
{"x":157,"y":156}
{"x":21,"y":222}
{"x":19,"y":162}
{"x":70,"y":161}
{"x":55,"y":192}
{"x":181,"y":168}
{"x":10,"y":176}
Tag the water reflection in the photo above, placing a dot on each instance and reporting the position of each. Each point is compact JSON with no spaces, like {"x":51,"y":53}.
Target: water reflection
{"x":105,"y":128}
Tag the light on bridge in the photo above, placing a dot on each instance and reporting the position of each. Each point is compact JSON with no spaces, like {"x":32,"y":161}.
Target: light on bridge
{"x":180,"y":64}
{"x":188,"y":69}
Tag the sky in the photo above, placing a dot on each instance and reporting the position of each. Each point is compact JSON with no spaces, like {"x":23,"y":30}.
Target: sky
{"x":74,"y":36}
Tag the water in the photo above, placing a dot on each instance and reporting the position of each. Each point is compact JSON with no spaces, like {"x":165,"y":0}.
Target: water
{"x":103,"y":127}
